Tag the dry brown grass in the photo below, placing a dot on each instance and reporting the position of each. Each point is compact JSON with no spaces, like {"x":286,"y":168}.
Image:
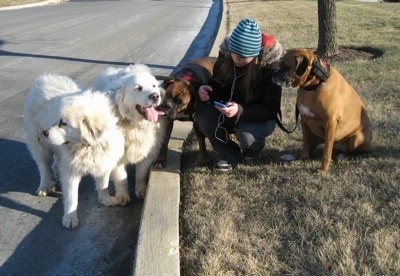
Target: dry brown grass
{"x":7,"y":3}
{"x":273,"y":218}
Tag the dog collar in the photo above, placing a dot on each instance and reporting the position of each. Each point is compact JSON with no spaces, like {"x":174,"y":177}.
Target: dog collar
{"x":320,"y":72}
{"x":311,"y":85}
{"x":186,"y":117}
{"x":188,"y":76}
{"x":321,"y":69}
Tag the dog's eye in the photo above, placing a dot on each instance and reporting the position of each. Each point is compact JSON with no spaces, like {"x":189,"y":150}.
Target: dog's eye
{"x":62,"y":123}
{"x":139,"y":88}
{"x":179,"y":102}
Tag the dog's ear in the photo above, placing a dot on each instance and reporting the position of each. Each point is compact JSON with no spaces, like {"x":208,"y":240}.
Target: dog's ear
{"x":162,"y":78}
{"x":91,"y":131}
{"x":301,"y":65}
{"x":123,"y":108}
{"x":167,"y":83}
{"x":119,"y":97}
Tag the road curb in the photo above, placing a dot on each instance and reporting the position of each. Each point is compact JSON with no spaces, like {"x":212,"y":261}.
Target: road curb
{"x":157,"y":251}
{"x":222,"y":31}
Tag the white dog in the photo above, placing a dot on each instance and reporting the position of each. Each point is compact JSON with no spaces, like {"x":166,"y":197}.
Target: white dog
{"x":80,"y":130}
{"x":136,"y":93}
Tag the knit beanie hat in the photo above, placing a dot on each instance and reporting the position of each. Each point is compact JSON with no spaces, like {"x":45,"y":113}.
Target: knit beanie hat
{"x":245,"y":39}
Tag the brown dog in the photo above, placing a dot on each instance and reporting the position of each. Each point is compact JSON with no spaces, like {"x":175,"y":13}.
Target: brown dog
{"x":180,"y":99}
{"x":331,"y":110}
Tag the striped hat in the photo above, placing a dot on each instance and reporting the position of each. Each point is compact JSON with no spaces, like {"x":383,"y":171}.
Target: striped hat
{"x":245,"y":39}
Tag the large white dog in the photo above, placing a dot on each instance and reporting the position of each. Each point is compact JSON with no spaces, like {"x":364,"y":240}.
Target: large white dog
{"x":136,"y":93}
{"x":79,"y":130}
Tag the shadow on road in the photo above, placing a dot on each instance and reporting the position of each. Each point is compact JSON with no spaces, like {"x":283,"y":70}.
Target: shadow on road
{"x":45,"y":247}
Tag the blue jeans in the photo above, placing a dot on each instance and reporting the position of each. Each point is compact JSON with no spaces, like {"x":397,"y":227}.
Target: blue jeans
{"x":250,"y":135}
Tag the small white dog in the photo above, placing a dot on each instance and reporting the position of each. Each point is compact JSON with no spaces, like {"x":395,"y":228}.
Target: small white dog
{"x":136,"y":93}
{"x":79,"y":130}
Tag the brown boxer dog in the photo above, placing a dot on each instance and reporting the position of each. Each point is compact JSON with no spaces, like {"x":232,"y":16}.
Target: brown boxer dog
{"x":180,"y":99}
{"x":331,"y":110}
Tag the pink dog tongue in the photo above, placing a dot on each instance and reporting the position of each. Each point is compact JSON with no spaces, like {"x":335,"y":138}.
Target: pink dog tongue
{"x":150,"y":113}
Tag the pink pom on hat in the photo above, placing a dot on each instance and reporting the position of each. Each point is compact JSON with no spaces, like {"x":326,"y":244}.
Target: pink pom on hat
{"x":267,"y":40}
{"x":271,"y":49}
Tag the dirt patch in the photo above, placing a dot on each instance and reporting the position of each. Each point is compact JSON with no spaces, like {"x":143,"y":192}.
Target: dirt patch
{"x":357,"y":53}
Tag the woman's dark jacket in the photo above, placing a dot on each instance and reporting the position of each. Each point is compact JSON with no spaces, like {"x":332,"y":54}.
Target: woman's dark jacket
{"x":267,"y":104}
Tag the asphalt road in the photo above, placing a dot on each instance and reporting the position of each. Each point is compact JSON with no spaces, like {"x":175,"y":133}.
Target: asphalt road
{"x":80,"y":39}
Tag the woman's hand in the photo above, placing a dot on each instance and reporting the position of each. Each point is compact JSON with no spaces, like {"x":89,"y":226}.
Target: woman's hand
{"x":204,"y":92}
{"x":230,"y":111}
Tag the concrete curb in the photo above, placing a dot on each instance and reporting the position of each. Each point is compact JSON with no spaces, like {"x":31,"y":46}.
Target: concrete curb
{"x":157,"y":251}
{"x":222,"y":31}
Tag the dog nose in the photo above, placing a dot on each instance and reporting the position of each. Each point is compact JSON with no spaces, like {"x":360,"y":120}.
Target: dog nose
{"x":166,"y":106}
{"x":45,"y":133}
{"x":154,"y":97}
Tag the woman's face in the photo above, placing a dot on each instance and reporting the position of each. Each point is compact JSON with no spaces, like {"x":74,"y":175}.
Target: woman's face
{"x":240,"y":61}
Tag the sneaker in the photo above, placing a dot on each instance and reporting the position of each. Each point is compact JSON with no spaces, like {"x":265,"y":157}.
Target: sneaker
{"x":248,"y":159}
{"x":251,"y":156}
{"x":223,"y":166}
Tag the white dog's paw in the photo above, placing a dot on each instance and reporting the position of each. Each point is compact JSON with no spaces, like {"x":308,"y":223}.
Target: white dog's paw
{"x":44,"y":190}
{"x":123,"y":199}
{"x":287,"y":157}
{"x":70,"y":221}
{"x":141,"y":192}
{"x":108,"y":200}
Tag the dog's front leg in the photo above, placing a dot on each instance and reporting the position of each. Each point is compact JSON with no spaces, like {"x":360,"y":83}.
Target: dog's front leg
{"x":102,"y":190}
{"x":201,"y":141}
{"x":120,"y":178}
{"x":42,"y":157}
{"x":162,"y":156}
{"x":70,"y":185}
{"x":330,"y":131}
{"x":142,"y":176}
{"x":305,"y":152}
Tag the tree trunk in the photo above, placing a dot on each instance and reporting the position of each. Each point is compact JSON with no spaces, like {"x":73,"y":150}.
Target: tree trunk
{"x":327,"y":29}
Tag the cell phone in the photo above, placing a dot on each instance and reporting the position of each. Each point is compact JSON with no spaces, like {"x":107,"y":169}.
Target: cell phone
{"x":221,"y":105}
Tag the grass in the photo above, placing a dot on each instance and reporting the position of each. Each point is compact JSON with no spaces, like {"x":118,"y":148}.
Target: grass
{"x":8,"y":3}
{"x":274,"y":218}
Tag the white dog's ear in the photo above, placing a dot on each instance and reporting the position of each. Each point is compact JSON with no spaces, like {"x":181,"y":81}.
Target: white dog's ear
{"x":119,"y":100}
{"x":119,"y":97}
{"x":91,"y":132}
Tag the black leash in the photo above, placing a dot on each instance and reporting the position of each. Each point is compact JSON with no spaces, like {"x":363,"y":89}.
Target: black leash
{"x":321,"y":69}
{"x":278,"y":120}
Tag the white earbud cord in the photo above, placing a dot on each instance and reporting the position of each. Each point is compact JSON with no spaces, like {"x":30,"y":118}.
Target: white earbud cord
{"x":221,"y":118}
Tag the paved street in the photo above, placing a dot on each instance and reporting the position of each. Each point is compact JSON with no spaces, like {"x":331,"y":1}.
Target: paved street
{"x":80,"y":39}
